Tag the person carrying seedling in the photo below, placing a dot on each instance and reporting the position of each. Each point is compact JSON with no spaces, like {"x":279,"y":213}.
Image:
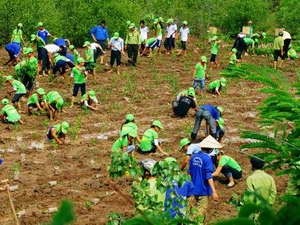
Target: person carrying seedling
{"x":150,"y":142}
{"x":54,"y":104}
{"x":184,"y":34}
{"x":37,"y":101}
{"x":89,"y":100}
{"x":199,"y":75}
{"x":229,"y":167}
{"x":61,"y":63}
{"x":185,"y":102}
{"x":89,"y":58}
{"x":233,"y":59}
{"x":9,"y":114}
{"x":79,"y":75}
{"x":58,"y":132}
{"x":19,"y":89}
{"x":216,"y":86}
{"x":278,"y":49}
{"x":117,"y":49}
{"x":76,"y":54}
{"x":126,"y":141}
{"x":214,"y":50}
{"x":210,"y":113}
{"x":14,"y":50}
{"x":17,"y":35}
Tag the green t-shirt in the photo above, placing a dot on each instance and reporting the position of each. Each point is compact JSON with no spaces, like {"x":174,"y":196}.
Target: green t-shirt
{"x":89,"y":54}
{"x":148,"y":140}
{"x":158,"y":30}
{"x":120,"y":143}
{"x":200,"y":71}
{"x":78,"y":75}
{"x":214,"y":48}
{"x":150,"y":41}
{"x":53,"y":97}
{"x":214,"y":85}
{"x":33,"y":99}
{"x":248,"y":41}
{"x":60,"y":57}
{"x":228,"y":161}
{"x":233,"y":59}
{"x":58,"y":129}
{"x":19,"y":87}
{"x":39,"y":42}
{"x":11,"y":113}
{"x":278,"y":43}
{"x":17,"y":35}
{"x":131,"y":126}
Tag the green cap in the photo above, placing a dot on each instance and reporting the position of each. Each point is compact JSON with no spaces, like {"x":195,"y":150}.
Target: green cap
{"x":65,"y":127}
{"x":92,"y":93}
{"x":20,"y":25}
{"x":183,"y":142}
{"x":214,"y":38}
{"x":60,"y":103}
{"x":80,"y":60}
{"x":128,"y":131}
{"x":191,"y":91}
{"x":71,"y":47}
{"x":220,"y":108}
{"x":203,"y":59}
{"x":40,"y":24}
{"x":223,"y":81}
{"x":116,"y":35}
{"x":221,"y":123}
{"x":40,"y":91}
{"x":4,"y":101}
{"x":132,"y":25}
{"x":86,"y":43}
{"x":155,"y":21}
{"x":129,"y":117}
{"x":234,"y":50}
{"x":128,"y":22}
{"x":185,"y":22}
{"x":157,"y":123}
{"x":27,"y":51}
{"x":32,"y":37}
{"x":7,"y":78}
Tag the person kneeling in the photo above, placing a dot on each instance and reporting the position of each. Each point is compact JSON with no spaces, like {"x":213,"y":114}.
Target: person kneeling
{"x":89,"y":100}
{"x":58,"y":132}
{"x":182,"y":106}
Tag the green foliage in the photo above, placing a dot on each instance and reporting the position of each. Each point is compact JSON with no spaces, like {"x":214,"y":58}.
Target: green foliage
{"x":263,"y":51}
{"x":65,"y":214}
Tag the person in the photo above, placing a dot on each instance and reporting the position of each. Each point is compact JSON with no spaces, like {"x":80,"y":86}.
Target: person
{"x":126,"y":141}
{"x":220,"y":129}
{"x":62,"y":43}
{"x":182,"y":106}
{"x":286,"y":43}
{"x":186,"y":92}
{"x":89,"y":100}
{"x":171,"y":30}
{"x":79,"y":75}
{"x":233,"y":58}
{"x":250,"y":25}
{"x":58,"y":132}
{"x":98,"y":51}
{"x":117,"y":49}
{"x":292,"y":54}
{"x":43,"y":58}
{"x":149,"y":142}
{"x":278,"y":49}
{"x":132,"y":42}
{"x":249,"y":42}
{"x":42,"y":32}
{"x":144,"y":30}
{"x":186,"y":146}
{"x":229,"y":167}
{"x":75,"y":52}
{"x":158,"y":31}
{"x":17,"y":35}
{"x":55,"y":103}
{"x":210,"y":113}
{"x":174,"y":27}
{"x":184,"y":34}
{"x":18,"y":88}
{"x":129,"y":122}
{"x":260,"y":183}
{"x":100,"y":35}
{"x":9,"y":114}
{"x":13,"y":49}
{"x":89,"y":57}
{"x":61,"y":63}
{"x":199,"y":75}
{"x":214,"y":50}
{"x":150,"y":45}
{"x":36,"y":101}
{"x":239,"y":45}
{"x":216,"y":86}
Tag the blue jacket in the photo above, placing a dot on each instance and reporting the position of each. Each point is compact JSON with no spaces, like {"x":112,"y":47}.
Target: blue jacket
{"x":13,"y":48}
{"x":201,"y":169}
{"x":100,"y":33}
{"x":43,"y":34}
{"x":60,"y":42}
{"x":214,"y":112}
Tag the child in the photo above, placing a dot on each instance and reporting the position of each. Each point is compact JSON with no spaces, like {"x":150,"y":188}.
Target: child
{"x":117,"y":48}
{"x":214,"y":50}
{"x":150,"y":45}
{"x":75,"y":53}
{"x":58,"y":132}
{"x":54,"y":103}
{"x":220,"y":129}
{"x":89,"y":100}
{"x":216,"y":86}
{"x":13,"y":49}
{"x":199,"y":75}
{"x":184,"y":33}
{"x":125,"y":141}
{"x":79,"y":74}
{"x":89,"y":57}
{"x":18,"y":88}
{"x":17,"y":35}
{"x":130,"y":123}
{"x":233,"y":58}
{"x":9,"y":114}
{"x":37,"y":100}
{"x":60,"y":64}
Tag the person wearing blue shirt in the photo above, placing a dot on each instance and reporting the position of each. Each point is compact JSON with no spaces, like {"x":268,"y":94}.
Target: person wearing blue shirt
{"x":62,"y":44}
{"x":13,"y":50}
{"x":42,"y":32}
{"x":100,"y":35}
{"x":188,"y":148}
{"x":211,"y":114}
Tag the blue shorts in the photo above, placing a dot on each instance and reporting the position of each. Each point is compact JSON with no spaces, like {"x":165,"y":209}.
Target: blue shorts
{"x":199,"y":84}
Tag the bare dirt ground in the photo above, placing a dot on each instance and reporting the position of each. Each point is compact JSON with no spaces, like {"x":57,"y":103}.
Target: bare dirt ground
{"x":80,"y":167}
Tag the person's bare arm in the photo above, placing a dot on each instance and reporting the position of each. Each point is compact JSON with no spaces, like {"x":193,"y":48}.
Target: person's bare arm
{"x":214,"y":194}
{"x":160,"y":150}
{"x":53,"y":133}
{"x":184,"y":162}
{"x":218,"y":171}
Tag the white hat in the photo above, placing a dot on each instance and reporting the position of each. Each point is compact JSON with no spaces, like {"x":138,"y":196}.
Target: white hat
{"x":210,"y":142}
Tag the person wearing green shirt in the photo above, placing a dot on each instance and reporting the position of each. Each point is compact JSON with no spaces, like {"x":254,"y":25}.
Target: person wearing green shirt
{"x":214,"y":50}
{"x":158,"y":30}
{"x":36,"y":101}
{"x":55,"y":103}
{"x":150,"y":142}
{"x":58,"y":132}
{"x":18,"y":88}
{"x":132,"y":42}
{"x":199,"y":75}
{"x":75,"y":53}
{"x":216,"y":86}
{"x":126,"y":140}
{"x":61,"y":63}
{"x":260,"y":183}
{"x":89,"y":100}
{"x":130,"y":123}
{"x":43,"y":58}
{"x":9,"y":114}
{"x":79,"y":75}
{"x":89,"y":57}
{"x":233,"y":58}
{"x":150,"y":45}
{"x":227,"y":166}
{"x":17,"y":34}
{"x":278,"y":49}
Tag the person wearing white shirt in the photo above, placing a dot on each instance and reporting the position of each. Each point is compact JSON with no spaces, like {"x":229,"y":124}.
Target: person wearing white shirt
{"x":144,"y":30}
{"x":184,"y":33}
{"x":170,"y":32}
{"x":97,"y":50}
{"x":174,"y":28}
{"x":117,"y":48}
{"x":287,"y":41}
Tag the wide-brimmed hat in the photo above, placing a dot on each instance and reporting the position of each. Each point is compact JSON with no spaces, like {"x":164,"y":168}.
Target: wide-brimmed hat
{"x":210,"y":142}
